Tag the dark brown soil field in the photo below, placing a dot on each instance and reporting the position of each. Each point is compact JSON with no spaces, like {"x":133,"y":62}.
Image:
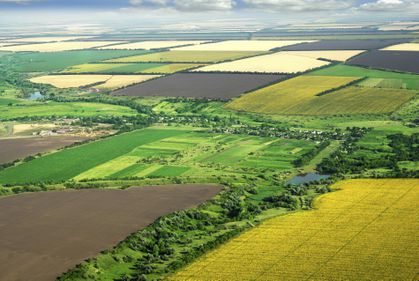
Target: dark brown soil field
{"x":19,"y":148}
{"x":345,"y":45}
{"x":391,"y":60}
{"x":44,"y":234}
{"x":200,"y":85}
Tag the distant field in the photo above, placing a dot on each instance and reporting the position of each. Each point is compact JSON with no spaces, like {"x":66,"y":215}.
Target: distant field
{"x":288,"y":96}
{"x":200,"y":85}
{"x":115,"y":68}
{"x":53,"y":61}
{"x":56,"y":46}
{"x":356,"y":100}
{"x":148,"y":45}
{"x":242,"y":45}
{"x":106,"y":81}
{"x":119,"y":81}
{"x":335,"y":55}
{"x":361,"y":44}
{"x":187,"y":56}
{"x":362,"y":231}
{"x":403,"y":47}
{"x":408,"y":81}
{"x":43,"y":39}
{"x":406,"y":61}
{"x":272,"y":63}
{"x":73,"y":109}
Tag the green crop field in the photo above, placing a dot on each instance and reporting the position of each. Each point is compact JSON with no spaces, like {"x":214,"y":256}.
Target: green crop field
{"x":54,"y":61}
{"x":161,"y":153}
{"x":187,"y":56}
{"x":286,"y":97}
{"x":129,"y":68}
{"x":73,"y":109}
{"x":376,"y":77}
{"x":356,"y":100}
{"x":69,"y":163}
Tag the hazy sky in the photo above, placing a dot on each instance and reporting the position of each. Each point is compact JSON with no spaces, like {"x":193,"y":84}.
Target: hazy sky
{"x":276,"y":11}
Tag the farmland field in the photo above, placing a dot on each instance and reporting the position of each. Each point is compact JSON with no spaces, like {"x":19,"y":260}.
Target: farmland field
{"x":115,"y":68}
{"x":345,"y":45}
{"x":75,"y":109}
{"x":241,"y":45}
{"x":355,"y":233}
{"x":149,"y":45}
{"x":403,"y":47}
{"x":53,"y":61}
{"x":197,"y":85}
{"x":187,"y":56}
{"x":104,"y":81}
{"x":46,"y":39}
{"x":408,"y":81}
{"x":84,"y":223}
{"x":272,"y":63}
{"x":406,"y":61}
{"x":18,"y":148}
{"x":68,"y":163}
{"x":150,"y":153}
{"x":340,"y":55}
{"x":56,"y":46}
{"x":286,"y":97}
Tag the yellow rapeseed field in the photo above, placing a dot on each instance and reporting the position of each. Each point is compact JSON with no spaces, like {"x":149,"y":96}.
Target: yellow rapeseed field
{"x":280,"y":62}
{"x":368,"y":230}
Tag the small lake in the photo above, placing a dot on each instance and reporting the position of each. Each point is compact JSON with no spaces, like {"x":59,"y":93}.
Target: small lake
{"x":306,"y":178}
{"x":36,"y":96}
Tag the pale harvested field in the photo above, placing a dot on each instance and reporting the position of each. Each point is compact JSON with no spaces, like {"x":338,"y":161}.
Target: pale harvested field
{"x":120,"y":81}
{"x":70,"y":81}
{"x":56,"y":46}
{"x":47,"y":39}
{"x":403,"y":47}
{"x":272,"y":63}
{"x":242,"y":45}
{"x":335,"y":55}
{"x":366,"y":230}
{"x":148,"y":45}
{"x":80,"y":80}
{"x":24,"y":128}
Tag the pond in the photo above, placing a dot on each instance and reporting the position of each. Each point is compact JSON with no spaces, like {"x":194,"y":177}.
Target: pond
{"x":36,"y":96}
{"x":306,"y":178}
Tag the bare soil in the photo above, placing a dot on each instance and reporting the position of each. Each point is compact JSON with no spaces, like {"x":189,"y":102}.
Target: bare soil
{"x":345,"y":45}
{"x":217,"y":86}
{"x":391,"y":60}
{"x":44,"y":234}
{"x":12,"y":149}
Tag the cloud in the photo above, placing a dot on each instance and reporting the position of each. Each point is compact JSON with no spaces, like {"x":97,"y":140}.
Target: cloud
{"x":16,"y":1}
{"x":389,"y":5}
{"x":186,"y":5}
{"x":300,"y":5}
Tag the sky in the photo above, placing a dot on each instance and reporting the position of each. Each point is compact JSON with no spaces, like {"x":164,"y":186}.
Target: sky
{"x":180,"y":11}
